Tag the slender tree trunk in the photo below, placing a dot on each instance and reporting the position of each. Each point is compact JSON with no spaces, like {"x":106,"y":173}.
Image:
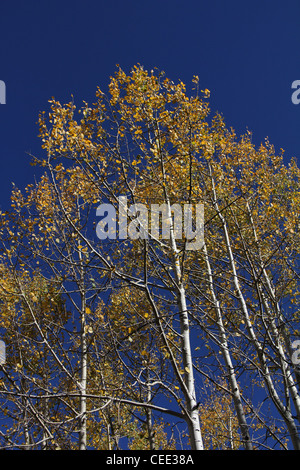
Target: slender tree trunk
{"x":26,"y":431}
{"x":194,"y":421}
{"x":227,"y":358}
{"x":284,"y":410}
{"x":189,"y":391}
{"x":83,"y":366}
{"x":291,"y":383}
{"x":149,"y":415}
{"x":190,"y":394}
{"x":82,"y":412}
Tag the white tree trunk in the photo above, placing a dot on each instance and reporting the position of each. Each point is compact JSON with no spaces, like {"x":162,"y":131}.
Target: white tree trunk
{"x":227,"y":358}
{"x":83,"y":366}
{"x":190,"y":392}
{"x":284,"y":410}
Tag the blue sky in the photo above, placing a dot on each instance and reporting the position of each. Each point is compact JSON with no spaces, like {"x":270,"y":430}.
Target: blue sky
{"x":245,"y":53}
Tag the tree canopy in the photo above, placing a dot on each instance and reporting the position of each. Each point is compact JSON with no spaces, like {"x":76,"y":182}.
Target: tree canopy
{"x":143,"y":341}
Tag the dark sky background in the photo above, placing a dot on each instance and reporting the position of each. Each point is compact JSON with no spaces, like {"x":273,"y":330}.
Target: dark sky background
{"x":246,"y":53}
